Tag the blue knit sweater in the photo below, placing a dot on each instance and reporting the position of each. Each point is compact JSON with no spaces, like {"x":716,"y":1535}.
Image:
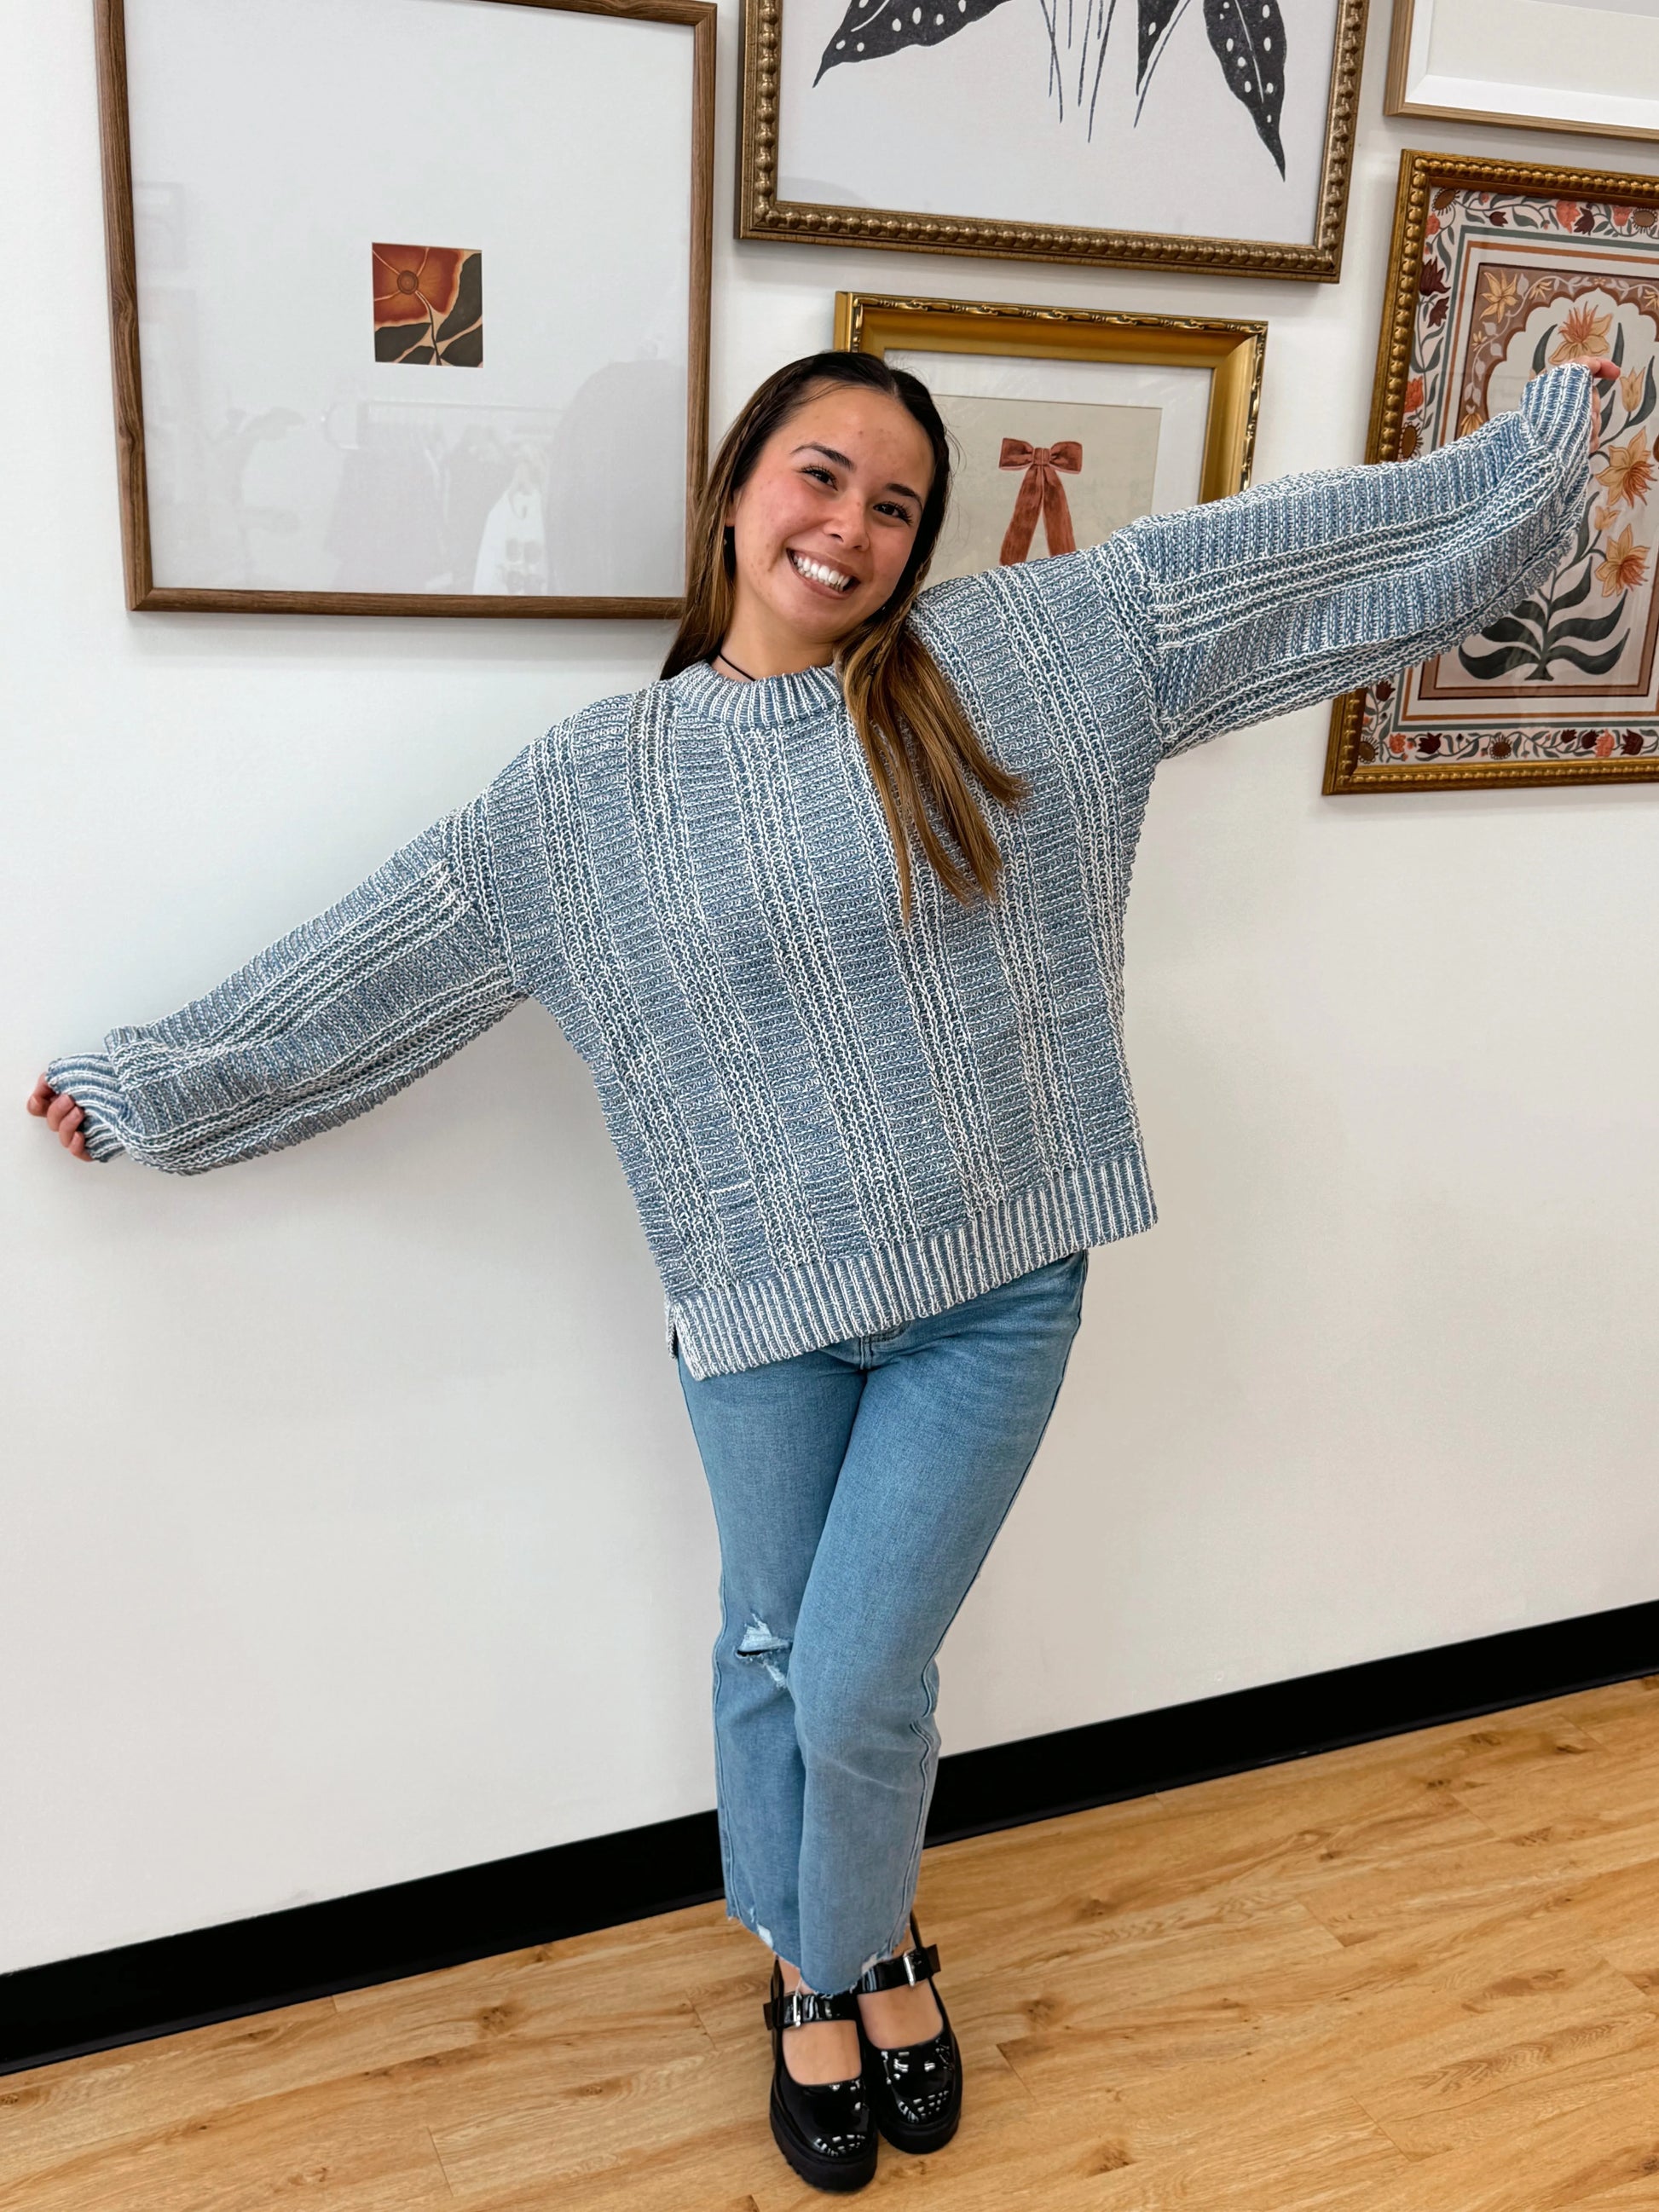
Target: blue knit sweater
{"x":830,"y":1122}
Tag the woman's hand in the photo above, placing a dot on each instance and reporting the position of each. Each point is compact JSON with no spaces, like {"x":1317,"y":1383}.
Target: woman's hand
{"x":1605,"y":372}
{"x":62,"y":1115}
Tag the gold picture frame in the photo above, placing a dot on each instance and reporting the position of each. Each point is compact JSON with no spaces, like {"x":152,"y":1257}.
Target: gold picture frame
{"x":1316,"y":258}
{"x":1465,"y":229}
{"x":1529,"y":105}
{"x":1232,"y":350}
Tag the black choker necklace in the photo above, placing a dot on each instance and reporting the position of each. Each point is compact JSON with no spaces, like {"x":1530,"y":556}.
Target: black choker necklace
{"x":733,"y":665}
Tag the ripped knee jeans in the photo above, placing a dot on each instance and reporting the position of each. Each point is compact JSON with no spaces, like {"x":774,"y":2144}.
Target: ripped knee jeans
{"x":857,"y":1491}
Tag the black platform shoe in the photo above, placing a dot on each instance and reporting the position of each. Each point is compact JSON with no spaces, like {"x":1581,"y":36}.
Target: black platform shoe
{"x":914,"y":2091}
{"x":824,"y":2129}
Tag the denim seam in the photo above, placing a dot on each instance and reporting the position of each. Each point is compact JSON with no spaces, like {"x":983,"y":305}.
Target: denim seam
{"x":727,"y":1861}
{"x":914,"y":1873}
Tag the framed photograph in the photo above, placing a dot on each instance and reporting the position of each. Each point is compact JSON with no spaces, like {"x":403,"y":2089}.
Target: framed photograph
{"x":408,"y":300}
{"x":1067,"y":423}
{"x":1499,"y":272}
{"x":1171,"y":135}
{"x":1554,"y":64}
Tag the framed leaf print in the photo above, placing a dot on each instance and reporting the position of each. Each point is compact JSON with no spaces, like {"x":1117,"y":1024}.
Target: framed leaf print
{"x":1170,"y":134}
{"x":402,"y":322}
{"x":1501,"y":271}
{"x":1554,"y":64}
{"x":1067,"y":423}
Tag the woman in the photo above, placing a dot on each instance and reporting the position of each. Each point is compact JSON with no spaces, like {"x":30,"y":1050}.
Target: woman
{"x":834,"y":912}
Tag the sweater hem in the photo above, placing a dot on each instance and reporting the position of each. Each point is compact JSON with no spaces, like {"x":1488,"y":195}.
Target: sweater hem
{"x":802,"y":1308}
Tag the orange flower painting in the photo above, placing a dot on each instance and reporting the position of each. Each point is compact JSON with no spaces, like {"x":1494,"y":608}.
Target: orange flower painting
{"x":1624,"y":567}
{"x":1563,"y":681}
{"x":429,"y":305}
{"x":1627,"y":472}
{"x":1502,"y":293}
{"x":1584,"y":334}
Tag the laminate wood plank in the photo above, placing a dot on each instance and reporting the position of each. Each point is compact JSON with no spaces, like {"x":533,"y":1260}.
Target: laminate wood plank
{"x":51,"y":2112}
{"x":1194,"y":1877}
{"x":350,"y":2145}
{"x":1552,"y":2162}
{"x":1479,"y":1883}
{"x":1622,"y":1713}
{"x":1529,"y":2025}
{"x":1523,"y":2101}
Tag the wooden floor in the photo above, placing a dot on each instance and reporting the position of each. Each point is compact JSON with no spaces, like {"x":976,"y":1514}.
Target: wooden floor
{"x":1419,"y":1976}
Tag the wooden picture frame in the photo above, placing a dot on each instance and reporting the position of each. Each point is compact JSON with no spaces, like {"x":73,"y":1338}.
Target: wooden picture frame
{"x":157,"y":573}
{"x":1499,"y":269}
{"x":1128,"y":414}
{"x":1455,"y":91}
{"x":1128,"y":226}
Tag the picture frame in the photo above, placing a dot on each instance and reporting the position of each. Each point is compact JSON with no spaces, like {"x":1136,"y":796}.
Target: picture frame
{"x":1068,"y":423}
{"x":1552,"y":65}
{"x":1182,"y":137}
{"x":1497,"y":271}
{"x":314,"y":418}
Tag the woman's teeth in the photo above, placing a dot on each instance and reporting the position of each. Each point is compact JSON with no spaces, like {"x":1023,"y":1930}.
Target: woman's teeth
{"x":819,"y":573}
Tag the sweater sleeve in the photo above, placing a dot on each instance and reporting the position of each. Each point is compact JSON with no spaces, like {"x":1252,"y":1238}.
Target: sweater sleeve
{"x":337,"y":1015}
{"x":1318,"y":583}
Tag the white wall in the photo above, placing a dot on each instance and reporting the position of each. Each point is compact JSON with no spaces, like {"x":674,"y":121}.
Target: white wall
{"x":351,"y":1527}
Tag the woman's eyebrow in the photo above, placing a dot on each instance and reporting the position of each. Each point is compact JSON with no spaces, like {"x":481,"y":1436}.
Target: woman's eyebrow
{"x":811,"y":446}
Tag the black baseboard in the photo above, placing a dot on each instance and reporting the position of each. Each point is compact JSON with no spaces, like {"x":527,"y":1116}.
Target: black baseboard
{"x":142,"y":1990}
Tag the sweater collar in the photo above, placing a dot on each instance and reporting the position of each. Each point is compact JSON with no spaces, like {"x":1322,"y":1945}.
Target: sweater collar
{"x":756,"y":704}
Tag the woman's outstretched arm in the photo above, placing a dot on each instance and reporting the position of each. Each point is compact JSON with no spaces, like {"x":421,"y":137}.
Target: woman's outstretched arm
{"x":1315,"y":585}
{"x":337,"y":1015}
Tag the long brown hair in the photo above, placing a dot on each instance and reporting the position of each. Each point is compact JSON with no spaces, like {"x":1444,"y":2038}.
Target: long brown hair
{"x":924,"y":758}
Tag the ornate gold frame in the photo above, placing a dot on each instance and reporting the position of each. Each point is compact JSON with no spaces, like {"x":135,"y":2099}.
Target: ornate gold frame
{"x":1421,"y":175}
{"x":1395,"y":101}
{"x":870,"y":322}
{"x":760,"y":213}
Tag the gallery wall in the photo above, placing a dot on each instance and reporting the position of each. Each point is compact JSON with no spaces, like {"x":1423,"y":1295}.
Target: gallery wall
{"x":350,"y":1528}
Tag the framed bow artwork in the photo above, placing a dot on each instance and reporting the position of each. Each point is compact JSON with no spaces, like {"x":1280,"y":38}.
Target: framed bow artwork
{"x":1041,"y":492}
{"x":1068,"y":422}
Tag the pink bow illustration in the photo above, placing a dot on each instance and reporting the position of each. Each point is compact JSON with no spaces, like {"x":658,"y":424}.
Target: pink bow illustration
{"x":1040,"y":487}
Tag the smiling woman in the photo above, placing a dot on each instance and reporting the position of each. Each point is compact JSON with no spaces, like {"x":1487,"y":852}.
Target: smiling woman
{"x":875,"y":1123}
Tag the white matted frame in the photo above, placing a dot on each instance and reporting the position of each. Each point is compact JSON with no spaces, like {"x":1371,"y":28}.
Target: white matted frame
{"x":1068,"y":423}
{"x":1184,"y":134}
{"x":1554,"y":64}
{"x":534,"y":443}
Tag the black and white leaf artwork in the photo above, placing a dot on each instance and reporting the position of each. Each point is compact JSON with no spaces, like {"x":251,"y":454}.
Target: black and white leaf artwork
{"x":872,"y":28}
{"x":1248,"y":36}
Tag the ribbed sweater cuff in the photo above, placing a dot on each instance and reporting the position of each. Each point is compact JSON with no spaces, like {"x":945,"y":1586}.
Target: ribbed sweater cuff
{"x":90,"y":1080}
{"x":1554,"y":406}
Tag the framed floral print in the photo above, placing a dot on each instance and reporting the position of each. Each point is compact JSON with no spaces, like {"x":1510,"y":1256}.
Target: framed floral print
{"x":1554,"y":64}
{"x":402,"y":322}
{"x":1168,"y":135}
{"x":1067,"y":423}
{"x":1500,"y":271}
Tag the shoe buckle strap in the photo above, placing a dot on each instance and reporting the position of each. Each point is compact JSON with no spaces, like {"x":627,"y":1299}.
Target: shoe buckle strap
{"x":801,"y":2007}
{"x":920,"y":1965}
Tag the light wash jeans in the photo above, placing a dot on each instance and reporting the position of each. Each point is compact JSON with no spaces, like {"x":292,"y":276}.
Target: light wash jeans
{"x":857,"y":1491}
